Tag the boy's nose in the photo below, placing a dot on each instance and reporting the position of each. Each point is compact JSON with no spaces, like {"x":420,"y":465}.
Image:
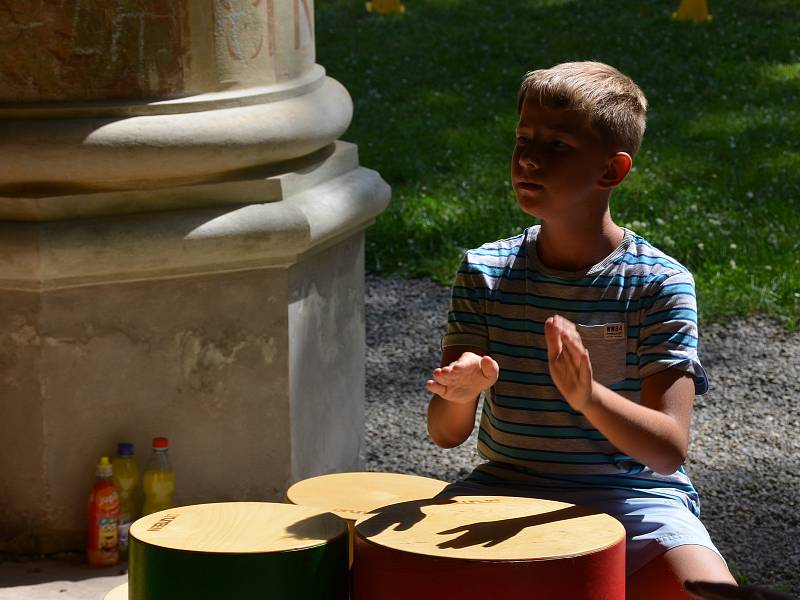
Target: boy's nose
{"x":529,"y":159}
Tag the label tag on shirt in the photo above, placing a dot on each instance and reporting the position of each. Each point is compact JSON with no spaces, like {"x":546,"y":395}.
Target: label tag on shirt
{"x":614,"y":331}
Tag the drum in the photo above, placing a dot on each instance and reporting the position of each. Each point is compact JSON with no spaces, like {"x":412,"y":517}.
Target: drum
{"x":355,"y":495}
{"x":118,"y":593}
{"x":238,"y":550}
{"x":479,"y":547}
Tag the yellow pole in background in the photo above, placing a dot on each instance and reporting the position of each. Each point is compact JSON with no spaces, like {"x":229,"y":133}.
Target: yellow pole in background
{"x":386,"y":6}
{"x":692,"y":10}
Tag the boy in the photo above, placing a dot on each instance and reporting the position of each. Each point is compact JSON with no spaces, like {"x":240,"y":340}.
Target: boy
{"x":584,"y":336}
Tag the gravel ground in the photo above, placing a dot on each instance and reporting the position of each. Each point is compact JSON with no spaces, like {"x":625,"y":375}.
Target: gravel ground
{"x":745,"y":451}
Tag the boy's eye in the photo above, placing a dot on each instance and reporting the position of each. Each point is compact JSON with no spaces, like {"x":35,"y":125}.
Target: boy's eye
{"x":559,"y":145}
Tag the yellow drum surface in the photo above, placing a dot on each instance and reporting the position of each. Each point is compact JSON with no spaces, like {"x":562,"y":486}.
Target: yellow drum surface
{"x":354,"y":495}
{"x":238,"y":527}
{"x":118,"y":593}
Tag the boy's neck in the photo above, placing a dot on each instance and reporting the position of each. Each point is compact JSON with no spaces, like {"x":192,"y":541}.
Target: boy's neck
{"x":574,"y":247}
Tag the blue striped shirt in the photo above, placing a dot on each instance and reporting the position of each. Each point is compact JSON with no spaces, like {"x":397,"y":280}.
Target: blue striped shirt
{"x":636,"y":313}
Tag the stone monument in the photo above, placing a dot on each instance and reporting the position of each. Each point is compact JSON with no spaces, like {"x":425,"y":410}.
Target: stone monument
{"x":181,"y":253}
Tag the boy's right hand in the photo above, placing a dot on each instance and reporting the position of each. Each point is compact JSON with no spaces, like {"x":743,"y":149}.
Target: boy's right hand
{"x":461,"y":381}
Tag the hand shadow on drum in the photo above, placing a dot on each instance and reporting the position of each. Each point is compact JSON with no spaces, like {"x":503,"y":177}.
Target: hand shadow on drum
{"x":491,"y":533}
{"x":403,"y":515}
{"x":311,"y":527}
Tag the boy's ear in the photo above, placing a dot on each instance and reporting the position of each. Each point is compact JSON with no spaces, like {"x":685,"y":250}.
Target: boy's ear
{"x":617,"y":168}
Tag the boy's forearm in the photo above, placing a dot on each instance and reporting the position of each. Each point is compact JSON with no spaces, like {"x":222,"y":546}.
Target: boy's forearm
{"x":450,"y":423}
{"x":651,"y":437}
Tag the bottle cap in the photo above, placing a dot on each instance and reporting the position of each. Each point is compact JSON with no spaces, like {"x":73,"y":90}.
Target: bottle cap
{"x":160,"y":443}
{"x":125,"y":449}
{"x":103,"y":467}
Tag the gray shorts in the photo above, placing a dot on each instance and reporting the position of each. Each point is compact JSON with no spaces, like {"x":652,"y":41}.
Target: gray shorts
{"x":653,"y":524}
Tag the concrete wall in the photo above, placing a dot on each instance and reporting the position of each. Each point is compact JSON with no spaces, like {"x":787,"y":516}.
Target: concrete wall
{"x":137,"y":360}
{"x":327,"y":355}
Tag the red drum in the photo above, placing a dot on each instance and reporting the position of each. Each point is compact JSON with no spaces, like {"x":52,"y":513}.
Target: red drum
{"x":488,"y":548}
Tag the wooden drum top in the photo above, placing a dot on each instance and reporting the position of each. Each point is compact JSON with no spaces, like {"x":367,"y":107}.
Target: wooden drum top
{"x":238,"y":527}
{"x":491,"y":528}
{"x":354,"y":495}
{"x":118,"y":593}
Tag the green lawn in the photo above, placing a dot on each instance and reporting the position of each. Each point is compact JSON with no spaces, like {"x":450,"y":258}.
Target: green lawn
{"x":717,"y":183}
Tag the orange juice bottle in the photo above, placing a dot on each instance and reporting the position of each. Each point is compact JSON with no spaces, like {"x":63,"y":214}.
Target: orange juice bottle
{"x":159,"y":479}
{"x":101,"y":551}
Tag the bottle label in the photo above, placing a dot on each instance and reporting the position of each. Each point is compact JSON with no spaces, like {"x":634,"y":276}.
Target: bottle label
{"x":124,"y":526}
{"x":103,"y":524}
{"x":105,"y":535}
{"x":107,"y":500}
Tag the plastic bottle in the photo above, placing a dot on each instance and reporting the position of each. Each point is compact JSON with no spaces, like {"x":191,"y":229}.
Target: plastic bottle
{"x":159,"y":479}
{"x":101,"y":551}
{"x":126,"y":478}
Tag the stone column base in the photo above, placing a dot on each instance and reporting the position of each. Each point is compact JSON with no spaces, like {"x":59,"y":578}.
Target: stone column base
{"x":237,"y":332}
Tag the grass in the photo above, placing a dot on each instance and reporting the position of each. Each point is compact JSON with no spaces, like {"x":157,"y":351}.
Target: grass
{"x":742,"y":578}
{"x":716,"y":184}
{"x":738,"y":574}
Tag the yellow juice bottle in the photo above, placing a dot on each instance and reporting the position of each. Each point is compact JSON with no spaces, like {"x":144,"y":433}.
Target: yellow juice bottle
{"x":126,"y":479}
{"x":159,"y":479}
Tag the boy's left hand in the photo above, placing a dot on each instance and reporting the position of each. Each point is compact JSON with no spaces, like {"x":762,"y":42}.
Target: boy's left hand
{"x":570,"y":367}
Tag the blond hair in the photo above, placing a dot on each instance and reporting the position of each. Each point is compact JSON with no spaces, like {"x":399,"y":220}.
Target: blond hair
{"x":614,"y":104}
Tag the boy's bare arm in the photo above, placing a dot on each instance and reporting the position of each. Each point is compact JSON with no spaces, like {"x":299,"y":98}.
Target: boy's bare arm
{"x":456,"y":386}
{"x":658,"y":438}
{"x":654,"y":432}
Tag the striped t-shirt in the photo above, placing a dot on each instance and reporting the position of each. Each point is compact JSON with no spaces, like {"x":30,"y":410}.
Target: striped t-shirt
{"x":636,"y":313}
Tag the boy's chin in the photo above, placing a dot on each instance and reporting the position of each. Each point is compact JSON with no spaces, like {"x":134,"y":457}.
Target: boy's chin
{"x":530,"y":207}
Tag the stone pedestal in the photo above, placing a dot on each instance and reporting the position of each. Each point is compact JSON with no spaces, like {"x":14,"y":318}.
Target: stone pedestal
{"x":181,"y":254}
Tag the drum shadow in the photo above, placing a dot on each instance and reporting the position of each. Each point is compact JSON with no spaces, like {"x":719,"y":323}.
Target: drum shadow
{"x":492,"y":533}
{"x":311,"y":527}
{"x":403,"y":516}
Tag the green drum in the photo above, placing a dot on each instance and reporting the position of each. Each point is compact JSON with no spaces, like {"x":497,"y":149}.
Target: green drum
{"x":238,"y":550}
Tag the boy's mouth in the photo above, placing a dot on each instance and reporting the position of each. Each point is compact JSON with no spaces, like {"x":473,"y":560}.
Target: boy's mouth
{"x":529,"y":186}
